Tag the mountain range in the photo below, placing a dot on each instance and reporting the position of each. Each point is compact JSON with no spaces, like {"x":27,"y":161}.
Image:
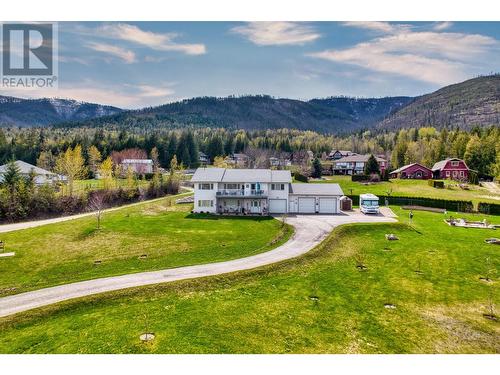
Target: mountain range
{"x":475,"y":102}
{"x":42,"y":112}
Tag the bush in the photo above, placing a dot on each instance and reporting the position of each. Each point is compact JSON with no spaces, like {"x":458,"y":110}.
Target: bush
{"x":360,"y":178}
{"x":300,"y":177}
{"x":385,"y":175}
{"x":436,"y":184}
{"x":374,"y":177}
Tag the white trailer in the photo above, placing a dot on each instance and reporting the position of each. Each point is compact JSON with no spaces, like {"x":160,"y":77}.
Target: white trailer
{"x":368,"y":204}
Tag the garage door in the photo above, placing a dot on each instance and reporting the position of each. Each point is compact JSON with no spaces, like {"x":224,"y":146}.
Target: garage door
{"x":307,"y":205}
{"x":327,"y":205}
{"x":277,"y":206}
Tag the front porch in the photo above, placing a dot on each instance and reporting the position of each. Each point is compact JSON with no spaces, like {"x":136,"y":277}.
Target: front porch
{"x":242,"y":206}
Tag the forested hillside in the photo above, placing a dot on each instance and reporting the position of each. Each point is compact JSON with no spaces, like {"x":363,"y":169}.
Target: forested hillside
{"x":36,"y":112}
{"x":475,"y":102}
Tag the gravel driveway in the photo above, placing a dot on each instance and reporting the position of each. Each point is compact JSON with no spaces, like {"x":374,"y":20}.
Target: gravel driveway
{"x":310,"y":230}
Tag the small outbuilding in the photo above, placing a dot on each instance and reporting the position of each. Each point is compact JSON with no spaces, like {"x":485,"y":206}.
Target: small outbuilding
{"x":345,"y":203}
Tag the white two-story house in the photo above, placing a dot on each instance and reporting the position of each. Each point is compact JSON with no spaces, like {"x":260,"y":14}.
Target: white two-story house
{"x":260,"y":191}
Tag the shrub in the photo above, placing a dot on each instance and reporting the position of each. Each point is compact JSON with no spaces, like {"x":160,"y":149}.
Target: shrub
{"x":374,"y":177}
{"x":300,"y":177}
{"x":360,"y":177}
{"x":436,"y":184}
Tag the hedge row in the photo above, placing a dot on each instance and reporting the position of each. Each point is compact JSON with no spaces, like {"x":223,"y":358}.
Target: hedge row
{"x":451,"y":205}
{"x":489,"y":208}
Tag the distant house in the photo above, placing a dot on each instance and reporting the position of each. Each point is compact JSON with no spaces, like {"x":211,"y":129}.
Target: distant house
{"x":203,"y":158}
{"x":339,"y":154}
{"x":414,"y":171}
{"x":355,"y":164}
{"x":239,"y":160}
{"x":42,"y":176}
{"x":279,"y":162}
{"x":138,"y":166}
{"x":452,"y":168}
{"x":302,"y":157}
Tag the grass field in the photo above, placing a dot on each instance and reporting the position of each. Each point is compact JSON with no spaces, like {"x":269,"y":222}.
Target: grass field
{"x":414,"y":188}
{"x":167,"y":233}
{"x":318,"y":303}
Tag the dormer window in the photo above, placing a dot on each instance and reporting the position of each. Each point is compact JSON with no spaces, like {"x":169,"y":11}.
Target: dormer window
{"x":455,"y":163}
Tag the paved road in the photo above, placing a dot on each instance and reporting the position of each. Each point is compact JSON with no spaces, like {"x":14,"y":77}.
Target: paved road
{"x":310,"y":230}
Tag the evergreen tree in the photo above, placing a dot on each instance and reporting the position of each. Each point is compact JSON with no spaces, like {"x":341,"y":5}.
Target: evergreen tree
{"x":316,"y":168}
{"x":371,"y":166}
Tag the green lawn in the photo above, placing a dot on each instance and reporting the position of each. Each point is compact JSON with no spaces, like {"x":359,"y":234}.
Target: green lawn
{"x":414,"y":188}
{"x":318,"y":303}
{"x":167,"y":233}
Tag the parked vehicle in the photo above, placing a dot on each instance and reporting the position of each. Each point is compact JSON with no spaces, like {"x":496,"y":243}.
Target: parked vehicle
{"x":368,"y":204}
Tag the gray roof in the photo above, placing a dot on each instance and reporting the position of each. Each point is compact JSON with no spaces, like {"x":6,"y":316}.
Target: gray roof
{"x":240,"y":175}
{"x":25,"y":168}
{"x":407,"y":166}
{"x":316,"y":189}
{"x":357,"y":158}
{"x":442,"y":163}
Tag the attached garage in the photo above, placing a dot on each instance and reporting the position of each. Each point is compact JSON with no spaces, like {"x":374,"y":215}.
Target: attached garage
{"x":311,"y":198}
{"x":307,"y":205}
{"x":277,"y":206}
{"x":327,"y":205}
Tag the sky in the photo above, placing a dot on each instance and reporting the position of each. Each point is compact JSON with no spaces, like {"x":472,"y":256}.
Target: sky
{"x":137,"y":64}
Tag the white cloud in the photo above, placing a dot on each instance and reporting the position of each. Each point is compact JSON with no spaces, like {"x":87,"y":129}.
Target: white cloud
{"x":123,"y":96}
{"x":379,"y":26}
{"x":122,"y":53}
{"x":277,"y":33}
{"x":440,"y":26}
{"x":438,"y":58}
{"x":155,"y":41}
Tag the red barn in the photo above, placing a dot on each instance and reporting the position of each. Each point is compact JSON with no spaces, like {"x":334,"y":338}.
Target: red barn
{"x":452,"y":168}
{"x":414,"y":171}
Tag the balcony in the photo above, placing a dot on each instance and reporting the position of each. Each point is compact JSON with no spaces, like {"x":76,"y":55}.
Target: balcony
{"x":241,"y":193}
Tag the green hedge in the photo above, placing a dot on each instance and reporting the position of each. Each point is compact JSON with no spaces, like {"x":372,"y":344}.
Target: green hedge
{"x":436,"y":184}
{"x":489,"y":208}
{"x":451,"y":205}
{"x":360,"y":177}
{"x":300,"y":177}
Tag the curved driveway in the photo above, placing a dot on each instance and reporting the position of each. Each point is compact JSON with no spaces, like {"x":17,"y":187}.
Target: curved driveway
{"x":310,"y":230}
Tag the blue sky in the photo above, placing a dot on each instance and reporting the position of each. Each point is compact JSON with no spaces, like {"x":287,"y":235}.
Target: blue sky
{"x":136,"y":64}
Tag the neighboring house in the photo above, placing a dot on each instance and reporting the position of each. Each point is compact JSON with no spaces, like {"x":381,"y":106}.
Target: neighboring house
{"x":355,"y":164}
{"x":452,"y":168}
{"x":279,"y":162}
{"x":138,"y":166}
{"x":414,"y":171}
{"x":302,"y":157}
{"x":260,"y":191}
{"x":42,"y":176}
{"x":339,"y":154}
{"x":203,"y":158}
{"x":238,"y":160}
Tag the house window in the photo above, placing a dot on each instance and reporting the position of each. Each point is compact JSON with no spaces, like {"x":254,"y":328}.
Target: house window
{"x":205,"y":203}
{"x":454,"y":163}
{"x":206,"y":186}
{"x":461,"y":173}
{"x":255,"y":203}
{"x":231,"y":186}
{"x":277,"y":186}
